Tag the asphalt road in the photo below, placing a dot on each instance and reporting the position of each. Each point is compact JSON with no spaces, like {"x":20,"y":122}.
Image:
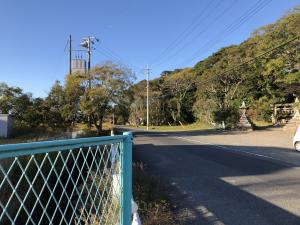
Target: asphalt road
{"x":233,"y":182}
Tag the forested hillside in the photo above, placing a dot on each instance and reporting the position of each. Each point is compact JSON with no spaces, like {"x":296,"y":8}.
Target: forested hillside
{"x":262,"y":71}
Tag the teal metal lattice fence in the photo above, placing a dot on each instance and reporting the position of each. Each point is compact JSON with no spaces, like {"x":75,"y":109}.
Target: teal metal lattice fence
{"x":78,"y":181}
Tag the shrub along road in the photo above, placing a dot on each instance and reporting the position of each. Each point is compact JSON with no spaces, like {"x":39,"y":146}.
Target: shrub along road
{"x":226,"y":178}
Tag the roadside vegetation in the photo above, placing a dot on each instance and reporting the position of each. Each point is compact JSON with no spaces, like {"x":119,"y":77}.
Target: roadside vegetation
{"x":150,"y":193}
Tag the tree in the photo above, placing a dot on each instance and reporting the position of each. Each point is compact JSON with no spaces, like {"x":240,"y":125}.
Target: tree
{"x":73,"y":90}
{"x":223,"y":88}
{"x":8,"y":97}
{"x":108,"y":81}
{"x":17,"y":103}
{"x":121,"y":110}
{"x":180,"y":88}
{"x":54,"y":103}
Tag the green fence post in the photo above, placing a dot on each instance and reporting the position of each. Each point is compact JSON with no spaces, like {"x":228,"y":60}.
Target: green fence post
{"x":126,"y":179}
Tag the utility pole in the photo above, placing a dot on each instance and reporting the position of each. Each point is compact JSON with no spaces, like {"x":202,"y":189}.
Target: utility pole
{"x":89,"y":59}
{"x":147,"y":72}
{"x":87,"y":43}
{"x":70,"y":54}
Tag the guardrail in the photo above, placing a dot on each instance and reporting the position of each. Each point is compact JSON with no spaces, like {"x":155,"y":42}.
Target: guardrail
{"x":77,"y":181}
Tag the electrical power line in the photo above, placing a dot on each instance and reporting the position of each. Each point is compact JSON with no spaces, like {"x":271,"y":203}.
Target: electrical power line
{"x":231,"y":28}
{"x":186,"y":31}
{"x":113,"y":56}
{"x":67,"y":44}
{"x":249,"y":60}
{"x":108,"y":54}
{"x":201,"y":32}
{"x":259,"y":5}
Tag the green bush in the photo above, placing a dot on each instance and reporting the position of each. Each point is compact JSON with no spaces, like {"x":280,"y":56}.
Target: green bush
{"x":261,"y":110}
{"x":229,"y":116}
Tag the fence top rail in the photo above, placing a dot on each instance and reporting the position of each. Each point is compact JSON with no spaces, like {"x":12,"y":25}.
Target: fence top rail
{"x":23,"y":149}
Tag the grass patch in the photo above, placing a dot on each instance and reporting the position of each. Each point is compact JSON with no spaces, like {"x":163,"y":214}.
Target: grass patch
{"x":188,"y":127}
{"x":23,"y":135}
{"x":105,"y":126}
{"x":259,"y":123}
{"x":28,"y":134}
{"x":150,"y":194}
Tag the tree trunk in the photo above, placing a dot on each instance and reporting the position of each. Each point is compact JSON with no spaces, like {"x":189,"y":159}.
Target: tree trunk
{"x":100,"y":123}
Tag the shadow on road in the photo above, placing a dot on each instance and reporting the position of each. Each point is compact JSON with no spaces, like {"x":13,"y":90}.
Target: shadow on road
{"x":211,"y":186}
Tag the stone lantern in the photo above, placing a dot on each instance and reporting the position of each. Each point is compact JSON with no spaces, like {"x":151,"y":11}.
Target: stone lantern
{"x":244,"y":123}
{"x":296,"y":110}
{"x":295,"y":121}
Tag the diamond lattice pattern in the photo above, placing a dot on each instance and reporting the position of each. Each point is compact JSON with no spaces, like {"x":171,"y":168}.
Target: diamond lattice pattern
{"x":75,"y":186}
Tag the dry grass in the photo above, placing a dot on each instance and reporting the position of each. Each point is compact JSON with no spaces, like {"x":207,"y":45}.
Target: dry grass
{"x":150,"y":194}
{"x":108,"y":200}
{"x":105,"y":126}
{"x":188,"y":127}
{"x":259,"y":123}
{"x":24,"y":135}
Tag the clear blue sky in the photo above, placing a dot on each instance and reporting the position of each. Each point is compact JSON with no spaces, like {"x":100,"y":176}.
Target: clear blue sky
{"x":34,"y":33}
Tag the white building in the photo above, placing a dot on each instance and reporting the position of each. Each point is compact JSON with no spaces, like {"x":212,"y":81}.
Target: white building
{"x":78,"y":65}
{"x":6,"y":125}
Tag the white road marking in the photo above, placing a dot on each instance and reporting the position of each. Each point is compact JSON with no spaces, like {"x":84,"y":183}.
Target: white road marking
{"x":230,"y":149}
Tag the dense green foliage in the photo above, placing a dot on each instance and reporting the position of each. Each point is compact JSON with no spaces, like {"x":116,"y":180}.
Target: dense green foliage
{"x":171,"y":99}
{"x":212,"y":91}
{"x":76,"y":101}
{"x":107,"y":84}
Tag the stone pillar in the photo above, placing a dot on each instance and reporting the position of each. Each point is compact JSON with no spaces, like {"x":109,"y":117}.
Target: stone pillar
{"x":244,"y":123}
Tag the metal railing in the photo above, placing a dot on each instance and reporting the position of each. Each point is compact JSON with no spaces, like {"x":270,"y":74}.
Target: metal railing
{"x":76,"y":181}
